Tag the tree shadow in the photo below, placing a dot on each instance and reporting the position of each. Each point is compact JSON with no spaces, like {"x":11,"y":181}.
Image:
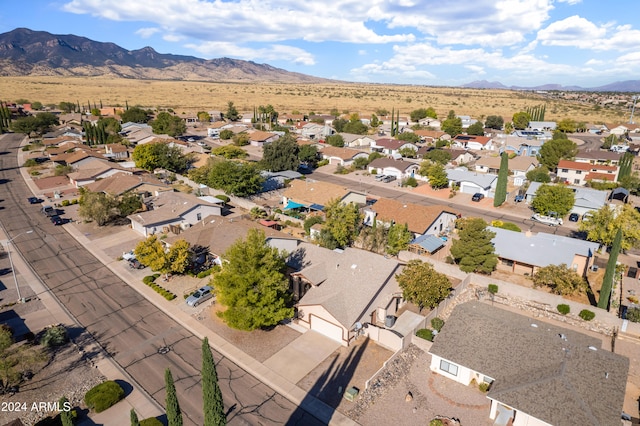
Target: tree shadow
{"x":126,"y":386}
{"x":325,"y":395}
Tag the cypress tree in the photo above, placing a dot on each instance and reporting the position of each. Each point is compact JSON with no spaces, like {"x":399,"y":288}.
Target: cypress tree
{"x":609,"y":275}
{"x":126,"y":105}
{"x":134,"y":418}
{"x":66,"y":418}
{"x":501,"y":186}
{"x":213,"y":404}
{"x":78,"y":105}
{"x":100,"y":103}
{"x":393,"y":113}
{"x":174,"y":415}
{"x":398,"y":122}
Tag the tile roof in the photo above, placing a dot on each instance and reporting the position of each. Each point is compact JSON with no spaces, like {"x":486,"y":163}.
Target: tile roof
{"x":600,"y":176}
{"x":417,"y":217}
{"x":518,"y":163}
{"x":348,"y":280}
{"x":554,"y":374}
{"x":381,"y":163}
{"x":435,"y":134}
{"x":120,"y":183}
{"x":306,"y":192}
{"x":342,"y":153}
{"x":599,"y":155}
{"x":260,"y":136}
{"x":575,"y":165}
{"x":482,"y":140}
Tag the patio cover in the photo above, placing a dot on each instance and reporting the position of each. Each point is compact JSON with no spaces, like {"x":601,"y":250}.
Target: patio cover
{"x":293,"y":205}
{"x":430,"y":243}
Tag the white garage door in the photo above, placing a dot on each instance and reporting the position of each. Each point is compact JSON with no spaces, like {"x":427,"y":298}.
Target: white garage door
{"x":326,"y":328}
{"x":468,"y":189}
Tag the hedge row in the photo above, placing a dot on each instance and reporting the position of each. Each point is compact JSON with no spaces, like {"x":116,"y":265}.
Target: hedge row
{"x":103,"y":396}
{"x":150,"y":281}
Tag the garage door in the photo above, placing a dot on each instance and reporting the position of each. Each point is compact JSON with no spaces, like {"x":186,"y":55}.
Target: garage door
{"x":468,"y":189}
{"x":326,"y":328}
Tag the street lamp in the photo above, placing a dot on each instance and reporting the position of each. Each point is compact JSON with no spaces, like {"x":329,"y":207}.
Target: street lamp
{"x":15,"y":278}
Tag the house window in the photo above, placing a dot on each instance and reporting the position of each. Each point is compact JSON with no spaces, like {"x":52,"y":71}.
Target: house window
{"x":448,"y":367}
{"x":576,"y":181}
{"x":199,"y":216}
{"x":565,"y":170}
{"x":578,"y":172}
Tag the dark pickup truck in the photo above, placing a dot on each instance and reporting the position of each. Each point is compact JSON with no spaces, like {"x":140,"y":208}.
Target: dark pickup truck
{"x":49,"y":211}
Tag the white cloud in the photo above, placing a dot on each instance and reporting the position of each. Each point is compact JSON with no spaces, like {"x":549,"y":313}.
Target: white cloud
{"x":476,"y":69}
{"x":570,"y":2}
{"x":576,"y":31}
{"x":173,"y":37}
{"x":147,"y":32}
{"x":274,"y":52}
{"x":362,"y":52}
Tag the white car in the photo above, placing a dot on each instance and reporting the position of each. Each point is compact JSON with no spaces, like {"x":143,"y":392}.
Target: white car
{"x":547,"y":220}
{"x":128,"y":255}
{"x":379,"y":177}
{"x":200,"y":295}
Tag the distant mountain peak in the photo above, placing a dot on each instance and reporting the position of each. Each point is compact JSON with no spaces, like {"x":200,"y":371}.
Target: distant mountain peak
{"x":620,"y":86}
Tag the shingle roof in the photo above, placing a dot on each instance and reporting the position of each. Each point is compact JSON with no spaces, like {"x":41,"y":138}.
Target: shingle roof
{"x":599,"y":155}
{"x":260,"y":136}
{"x":168,"y":206}
{"x":349,"y":281}
{"x":484,"y":180}
{"x":381,"y":163}
{"x":120,"y":183}
{"x":306,"y":192}
{"x":417,"y":217}
{"x":342,"y":153}
{"x":561,"y":381}
{"x":518,"y":163}
{"x":539,"y":249}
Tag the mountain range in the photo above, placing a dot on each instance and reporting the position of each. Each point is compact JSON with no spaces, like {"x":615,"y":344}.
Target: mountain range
{"x":24,"y":52}
{"x":618,"y":86}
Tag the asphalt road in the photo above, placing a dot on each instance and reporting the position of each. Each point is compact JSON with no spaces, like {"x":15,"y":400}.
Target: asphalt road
{"x":130,"y":328}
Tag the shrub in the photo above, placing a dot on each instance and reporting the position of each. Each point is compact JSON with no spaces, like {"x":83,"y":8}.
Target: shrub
{"x":586,"y":315}
{"x":74,"y":201}
{"x":492,"y":288}
{"x":484,"y":386}
{"x":103,"y":396}
{"x":54,"y":336}
{"x":633,"y":314}
{"x":26,"y":148}
{"x":411,"y":181}
{"x":437,"y":324}
{"x":151,"y":421}
{"x":322,"y":163}
{"x":425,"y":333}
{"x":564,"y":309}
{"x":149,"y":279}
{"x":30,"y":163}
{"x":436,"y":422}
{"x":204,"y":274}
{"x":633,"y":299}
{"x":224,"y":198}
{"x":65,"y":203}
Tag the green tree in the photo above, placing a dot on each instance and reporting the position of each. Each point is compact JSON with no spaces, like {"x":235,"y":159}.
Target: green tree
{"x":134,"y":115}
{"x":128,"y":203}
{"x":151,"y":253}
{"x":39,"y":124}
{"x":398,"y":238}
{"x":204,"y":117}
{"x":339,"y":124}
{"x":241,"y":139}
{"x":624,"y":171}
{"x":310,"y":221}
{"x":560,"y":279}
{"x":160,"y":155}
{"x":174,"y":414}
{"x":67,"y":107}
{"x":252,"y":284}
{"x":437,"y":176}
{"x":212,"y":396}
{"x":168,"y":124}
{"x":308,"y":154}
{"x":375,"y":121}
{"x":521,"y":120}
{"x":361,"y":163}
{"x":226,"y":134}
{"x":452,"y":126}
{"x":423,"y":285}
{"x":229,"y":152}
{"x":355,"y":126}
{"x":98,"y":207}
{"x":603,"y":225}
{"x":179,"y":257}
{"x":281,"y":154}
{"x":408,"y":137}
{"x":335,"y":140}
{"x":508,"y":128}
{"x":553,"y":198}
{"x":232,"y":113}
{"x":609,"y":275}
{"x":407,"y":152}
{"x":494,"y":122}
{"x":234,"y":178}
{"x":441,"y":156}
{"x":539,"y":174}
{"x":555,"y":150}
{"x":134,"y":418}
{"x":342,"y":221}
{"x":567,"y":125}
{"x":501,"y":185}
{"x":473,"y":250}
{"x":66,"y":416}
{"x":418,"y":114}
{"x":476,"y":128}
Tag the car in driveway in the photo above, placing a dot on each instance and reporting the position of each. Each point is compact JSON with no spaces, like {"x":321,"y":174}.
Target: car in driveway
{"x":128,"y":255}
{"x":57,"y":220}
{"x":547,"y":220}
{"x":574,"y":217}
{"x":519,"y":198}
{"x":388,"y":178}
{"x":477,"y":197}
{"x":135,"y":264}
{"x":379,"y":177}
{"x":200,"y":295}
{"x":34,"y":200}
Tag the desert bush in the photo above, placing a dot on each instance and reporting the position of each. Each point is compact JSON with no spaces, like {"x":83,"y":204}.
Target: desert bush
{"x":484,"y":386}
{"x":633,"y":314}
{"x":411,"y":181}
{"x":425,"y":333}
{"x":103,"y":396}
{"x":437,"y":324}
{"x":586,"y":315}
{"x":149,"y":279}
{"x":65,"y":203}
{"x":564,"y":309}
{"x":322,"y":163}
{"x":26,"y":148}
{"x":223,"y":198}
{"x":492,"y":288}
{"x":54,"y":336}
{"x":151,"y":421}
{"x":436,"y":422}
{"x":30,"y":163}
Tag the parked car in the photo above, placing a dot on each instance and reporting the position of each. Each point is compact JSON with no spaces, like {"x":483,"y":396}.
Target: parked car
{"x":519,"y":198}
{"x":34,"y":200}
{"x":135,"y":264}
{"x":574,"y":217}
{"x":379,"y":177}
{"x":388,"y":178}
{"x":57,"y":220}
{"x":200,"y":295}
{"x":547,"y":220}
{"x":128,"y":255}
{"x":477,"y":196}
{"x":49,"y":211}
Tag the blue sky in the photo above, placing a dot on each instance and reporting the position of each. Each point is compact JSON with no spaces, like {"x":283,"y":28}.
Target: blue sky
{"x":443,"y":42}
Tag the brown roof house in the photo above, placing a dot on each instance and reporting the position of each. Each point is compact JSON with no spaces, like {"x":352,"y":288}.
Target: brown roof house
{"x":260,"y":138}
{"x":518,"y":166}
{"x":538,"y":373}
{"x":304,"y":194}
{"x":342,"y":156}
{"x":174,"y":212}
{"x":96,"y":170}
{"x":341,"y":291}
{"x":144,"y":184}
{"x":390,"y":167}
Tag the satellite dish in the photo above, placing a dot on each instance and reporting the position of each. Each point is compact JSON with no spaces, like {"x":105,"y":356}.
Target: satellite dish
{"x":358,"y":326}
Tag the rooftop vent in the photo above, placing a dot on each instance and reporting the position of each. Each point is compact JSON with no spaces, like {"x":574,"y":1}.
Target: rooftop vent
{"x":354,"y":266}
{"x":593,"y":348}
{"x":534,"y":325}
{"x":562,"y":336}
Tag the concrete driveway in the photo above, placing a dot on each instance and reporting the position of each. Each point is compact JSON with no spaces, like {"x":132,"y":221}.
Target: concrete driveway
{"x":301,"y":356}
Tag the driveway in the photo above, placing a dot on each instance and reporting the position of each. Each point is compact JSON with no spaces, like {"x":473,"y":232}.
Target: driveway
{"x":301,"y":356}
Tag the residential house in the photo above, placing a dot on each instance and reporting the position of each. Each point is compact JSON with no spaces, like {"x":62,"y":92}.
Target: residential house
{"x":173,"y":212}
{"x":473,"y":142}
{"x":577,"y":173}
{"x":314,"y":196}
{"x":596,"y":129}
{"x":542,"y":126}
{"x":618,"y":129}
{"x":431,"y":136}
{"x":356,"y":141}
{"x":466,"y":121}
{"x":315,"y":130}
{"x":61,"y":140}
{"x":519,"y":145}
{"x":214,"y":129}
{"x":260,"y":138}
{"x":399,"y":168}
{"x":285,"y":119}
{"x":461,"y":156}
{"x":143,"y":184}
{"x":599,"y":157}
{"x":65,"y":132}
{"x":542,"y":135}
{"x":430,"y":122}
{"x":586,"y":199}
{"x":518,"y":166}
{"x":421,"y":220}
{"x":115,"y":151}
{"x":93,"y":171}
{"x":538,"y":250}
{"x":342,"y":156}
{"x":326,"y":119}
{"x":340,"y":291}
{"x":391,"y":147}
{"x":538,"y":373}
{"x":276,"y":180}
{"x":78,"y":158}
{"x":472,"y":182}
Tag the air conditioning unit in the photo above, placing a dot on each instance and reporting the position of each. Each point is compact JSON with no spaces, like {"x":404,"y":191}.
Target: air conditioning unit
{"x":184,"y":226}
